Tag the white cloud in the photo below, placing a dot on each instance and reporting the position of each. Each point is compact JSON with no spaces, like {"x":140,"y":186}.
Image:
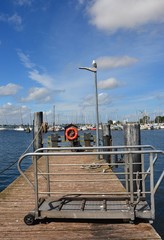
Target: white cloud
{"x":14,"y":114}
{"x":88,"y":101}
{"x":111,"y":15}
{"x":25,"y":59}
{"x":115,"y":62}
{"x":15,"y":20}
{"x":103,"y":99}
{"x":40,"y":95}
{"x":23,"y":2}
{"x":159,"y":95}
{"x":108,"y":84}
{"x":9,"y":89}
{"x":47,"y":91}
{"x":7,"y":109}
{"x":81,"y":1}
{"x":44,"y":79}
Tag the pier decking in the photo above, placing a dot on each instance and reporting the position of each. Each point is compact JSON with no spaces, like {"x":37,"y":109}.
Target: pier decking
{"x":19,"y":199}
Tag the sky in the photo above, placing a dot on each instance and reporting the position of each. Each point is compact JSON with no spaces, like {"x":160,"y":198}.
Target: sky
{"x":44,"y":42}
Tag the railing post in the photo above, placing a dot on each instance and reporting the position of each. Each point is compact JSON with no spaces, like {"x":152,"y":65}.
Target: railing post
{"x":36,"y":186}
{"x":131,"y":185}
{"x":143,"y":175}
{"x":48,"y":176}
{"x":152,"y":185}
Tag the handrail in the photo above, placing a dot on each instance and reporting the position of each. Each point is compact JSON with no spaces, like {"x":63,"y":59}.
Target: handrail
{"x":159,"y":181}
{"x":38,"y":153}
{"x":104,"y":147}
{"x":84,"y":153}
{"x":69,"y":182}
{"x":95,"y":147}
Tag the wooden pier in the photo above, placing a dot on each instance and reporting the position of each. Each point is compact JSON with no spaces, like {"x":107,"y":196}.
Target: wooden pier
{"x":18,"y":199}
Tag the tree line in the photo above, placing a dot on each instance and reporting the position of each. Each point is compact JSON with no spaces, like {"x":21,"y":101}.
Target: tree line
{"x":146,"y":119}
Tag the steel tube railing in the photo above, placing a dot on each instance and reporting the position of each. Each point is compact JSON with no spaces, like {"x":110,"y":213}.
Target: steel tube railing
{"x":129,"y":177}
{"x":93,"y":193}
{"x":81,"y":153}
{"x":95,"y":147}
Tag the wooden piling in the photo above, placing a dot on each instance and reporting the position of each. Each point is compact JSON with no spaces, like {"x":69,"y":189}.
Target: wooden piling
{"x":132,"y":134}
{"x":38,"y":120}
{"x":107,"y":140}
{"x":55,"y":140}
{"x":132,"y":138}
{"x":87,"y":139}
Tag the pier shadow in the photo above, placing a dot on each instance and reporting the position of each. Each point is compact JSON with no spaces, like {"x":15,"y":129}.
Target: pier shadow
{"x":94,"y":221}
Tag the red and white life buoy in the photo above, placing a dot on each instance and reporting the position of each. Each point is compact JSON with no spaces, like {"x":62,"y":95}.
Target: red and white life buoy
{"x":71,"y":133}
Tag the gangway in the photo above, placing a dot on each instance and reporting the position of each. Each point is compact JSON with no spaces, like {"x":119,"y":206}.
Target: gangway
{"x":71,"y":183}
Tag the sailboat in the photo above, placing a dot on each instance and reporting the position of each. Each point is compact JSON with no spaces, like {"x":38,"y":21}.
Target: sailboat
{"x":19,"y":128}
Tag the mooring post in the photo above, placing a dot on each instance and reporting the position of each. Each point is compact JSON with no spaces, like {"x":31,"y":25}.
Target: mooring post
{"x":55,"y":139}
{"x":37,"y":133}
{"x":107,"y":140}
{"x":132,"y":138}
{"x":87,"y":139}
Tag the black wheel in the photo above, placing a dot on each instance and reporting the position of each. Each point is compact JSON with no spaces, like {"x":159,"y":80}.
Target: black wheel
{"x":29,"y":219}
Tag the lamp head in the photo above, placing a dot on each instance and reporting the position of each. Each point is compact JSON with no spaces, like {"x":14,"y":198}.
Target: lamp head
{"x":94,"y":64}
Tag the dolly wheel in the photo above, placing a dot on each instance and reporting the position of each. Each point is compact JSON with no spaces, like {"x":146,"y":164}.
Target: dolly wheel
{"x":29,"y":219}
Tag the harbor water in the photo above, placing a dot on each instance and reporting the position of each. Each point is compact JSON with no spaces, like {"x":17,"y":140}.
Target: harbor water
{"x":14,"y":143}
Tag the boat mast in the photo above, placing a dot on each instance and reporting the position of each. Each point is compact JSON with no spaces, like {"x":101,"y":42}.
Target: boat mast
{"x":53,"y":117}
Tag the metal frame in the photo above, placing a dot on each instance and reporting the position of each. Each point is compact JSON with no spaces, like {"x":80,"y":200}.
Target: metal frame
{"x":129,"y":204}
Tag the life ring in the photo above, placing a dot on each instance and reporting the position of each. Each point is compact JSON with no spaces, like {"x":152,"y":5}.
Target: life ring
{"x":71,"y":133}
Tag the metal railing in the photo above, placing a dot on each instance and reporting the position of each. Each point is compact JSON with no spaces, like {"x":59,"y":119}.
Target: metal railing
{"x":135,"y":191}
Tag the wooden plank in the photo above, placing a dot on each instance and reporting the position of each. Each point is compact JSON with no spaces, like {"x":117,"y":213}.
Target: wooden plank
{"x":18,"y":199}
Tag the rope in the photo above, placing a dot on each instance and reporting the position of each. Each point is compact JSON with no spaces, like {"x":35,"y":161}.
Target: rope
{"x":91,"y":166}
{"x":32,"y":141}
{"x":4,"y":170}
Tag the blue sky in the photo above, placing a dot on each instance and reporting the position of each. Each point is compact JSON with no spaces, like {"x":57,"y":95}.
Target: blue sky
{"x":44,"y":42}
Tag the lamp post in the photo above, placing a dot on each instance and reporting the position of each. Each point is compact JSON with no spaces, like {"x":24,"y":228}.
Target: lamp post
{"x":94,"y":70}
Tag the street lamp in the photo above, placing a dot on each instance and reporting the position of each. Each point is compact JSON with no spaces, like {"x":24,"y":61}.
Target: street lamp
{"x":94,"y":70}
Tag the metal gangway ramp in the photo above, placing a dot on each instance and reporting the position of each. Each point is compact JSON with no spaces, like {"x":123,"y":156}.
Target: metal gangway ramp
{"x":74,"y":183}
